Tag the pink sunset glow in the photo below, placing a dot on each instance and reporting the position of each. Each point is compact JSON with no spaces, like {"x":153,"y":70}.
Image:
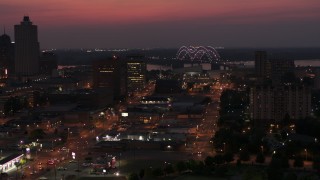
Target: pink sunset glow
{"x":67,"y":12}
{"x":193,"y":16}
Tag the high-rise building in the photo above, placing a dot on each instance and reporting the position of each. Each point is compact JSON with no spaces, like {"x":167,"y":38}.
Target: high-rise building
{"x":136,"y":75}
{"x":272,"y":103}
{"x":273,"y":69}
{"x":48,"y":63}
{"x":6,"y":56}
{"x":262,"y":64}
{"x":110,"y":74}
{"x":317,"y":78}
{"x":279,"y":68}
{"x":26,"y":48}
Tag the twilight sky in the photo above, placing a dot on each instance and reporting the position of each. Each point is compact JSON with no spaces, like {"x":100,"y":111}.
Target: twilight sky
{"x":167,"y":23}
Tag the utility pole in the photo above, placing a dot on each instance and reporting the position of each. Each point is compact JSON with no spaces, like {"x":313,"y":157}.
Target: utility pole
{"x":55,"y":172}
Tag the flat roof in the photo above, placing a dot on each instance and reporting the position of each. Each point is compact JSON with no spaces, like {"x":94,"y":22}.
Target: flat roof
{"x":9,"y":158}
{"x":104,"y":178}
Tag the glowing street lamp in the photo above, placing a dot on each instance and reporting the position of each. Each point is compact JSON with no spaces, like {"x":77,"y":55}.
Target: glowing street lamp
{"x":306,"y":151}
{"x":224,"y":147}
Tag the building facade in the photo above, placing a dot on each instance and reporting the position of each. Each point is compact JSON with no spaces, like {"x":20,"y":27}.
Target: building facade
{"x":136,"y":75}
{"x":271,"y":104}
{"x":279,"y":68}
{"x":48,"y":63}
{"x":273,"y":69}
{"x":262,"y":64}
{"x":110,"y":74}
{"x":6,"y":56}
{"x":26,"y":48}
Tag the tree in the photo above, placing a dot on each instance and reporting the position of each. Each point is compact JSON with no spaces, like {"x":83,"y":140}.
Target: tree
{"x":228,"y":157}
{"x":316,"y":163}
{"x":298,"y":162}
{"x":253,"y":174}
{"x":88,"y":159}
{"x":285,"y":161}
{"x":56,"y":131}
{"x":17,"y":164}
{"x":63,"y":136}
{"x":181,"y":166}
{"x":222,"y":170}
{"x":199,"y":167}
{"x":238,"y":162}
{"x":168,"y":169}
{"x":141,"y":173}
{"x":260,"y":158}
{"x":291,"y":176}
{"x":209,"y":161}
{"x":218,"y":159}
{"x":206,"y":88}
{"x":286,"y":120}
{"x":148,"y":173}
{"x":191,"y":164}
{"x":275,"y":169}
{"x":244,"y":155}
{"x":157,"y":172}
{"x":37,"y":134}
{"x":274,"y":173}
{"x":309,"y":177}
{"x":12,"y":105}
{"x":133,"y":176}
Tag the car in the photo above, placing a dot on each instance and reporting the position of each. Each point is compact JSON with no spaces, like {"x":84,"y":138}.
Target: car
{"x":61,"y":168}
{"x":33,"y":172}
{"x":94,"y":172}
{"x":86,"y":164}
{"x":50,"y":162}
{"x":55,"y":160}
{"x":63,"y":149}
{"x":73,"y":161}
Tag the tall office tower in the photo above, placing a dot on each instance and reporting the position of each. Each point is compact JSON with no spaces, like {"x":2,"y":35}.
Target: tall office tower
{"x":110,"y":74}
{"x":317,"y":78}
{"x":269,"y":103}
{"x":136,"y":75}
{"x":48,"y":63}
{"x":279,"y":68}
{"x":6,"y":56}
{"x":262,"y":65}
{"x":262,"y":103}
{"x":26,"y":48}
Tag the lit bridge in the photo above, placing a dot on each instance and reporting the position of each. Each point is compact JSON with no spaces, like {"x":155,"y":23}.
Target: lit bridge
{"x":200,"y":53}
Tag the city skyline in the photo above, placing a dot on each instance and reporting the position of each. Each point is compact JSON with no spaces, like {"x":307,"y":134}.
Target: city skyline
{"x":151,"y":24}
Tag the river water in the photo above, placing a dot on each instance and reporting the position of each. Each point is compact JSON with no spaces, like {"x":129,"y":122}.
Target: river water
{"x":248,"y":64}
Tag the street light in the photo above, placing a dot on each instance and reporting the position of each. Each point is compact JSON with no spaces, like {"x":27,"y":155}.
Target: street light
{"x":68,"y":134}
{"x":306,"y":151}
{"x":119,"y":160}
{"x":52,"y":143}
{"x":224,"y":147}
